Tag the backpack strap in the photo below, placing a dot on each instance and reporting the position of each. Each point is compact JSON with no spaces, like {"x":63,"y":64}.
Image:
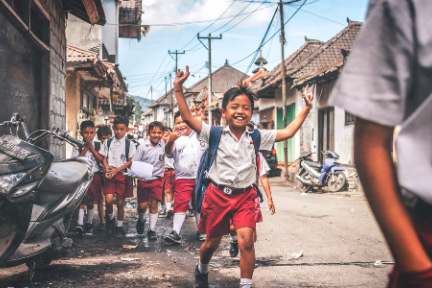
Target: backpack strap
{"x":127,"y":146}
{"x":256,"y":139}
{"x":214,"y":139}
{"x":97,"y":146}
{"x":109,"y":143}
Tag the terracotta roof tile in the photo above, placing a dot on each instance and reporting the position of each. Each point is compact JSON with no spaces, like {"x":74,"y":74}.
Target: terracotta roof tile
{"x":130,"y":12}
{"x":78,"y":55}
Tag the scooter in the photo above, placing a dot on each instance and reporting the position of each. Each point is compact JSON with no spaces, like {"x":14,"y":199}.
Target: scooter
{"x":317,"y":176}
{"x":37,"y":197}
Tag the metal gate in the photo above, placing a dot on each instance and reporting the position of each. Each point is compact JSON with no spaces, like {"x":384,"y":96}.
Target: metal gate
{"x":325,"y":131}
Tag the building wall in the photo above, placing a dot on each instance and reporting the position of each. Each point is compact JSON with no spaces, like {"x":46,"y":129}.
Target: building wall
{"x":344,"y":135}
{"x":110,"y":32}
{"x":82,"y":34}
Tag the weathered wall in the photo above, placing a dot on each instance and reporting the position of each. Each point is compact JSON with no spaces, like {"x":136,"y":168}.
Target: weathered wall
{"x":109,"y":31}
{"x":344,"y":143}
{"x":82,"y":34}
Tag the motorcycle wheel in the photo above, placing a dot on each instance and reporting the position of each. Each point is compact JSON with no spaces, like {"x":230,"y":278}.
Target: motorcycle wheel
{"x":302,"y":187}
{"x":339,"y":184}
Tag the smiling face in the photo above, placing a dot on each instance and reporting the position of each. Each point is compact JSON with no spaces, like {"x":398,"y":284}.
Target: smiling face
{"x":181,"y":126}
{"x":238,"y":112}
{"x":120,"y":130}
{"x":155,"y":135}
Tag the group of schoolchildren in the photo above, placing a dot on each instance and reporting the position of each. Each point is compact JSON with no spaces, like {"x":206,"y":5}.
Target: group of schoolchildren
{"x":229,"y":204}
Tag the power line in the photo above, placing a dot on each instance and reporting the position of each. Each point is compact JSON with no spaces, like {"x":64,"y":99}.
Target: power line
{"x":322,"y":17}
{"x":245,"y":17}
{"x":234,"y":17}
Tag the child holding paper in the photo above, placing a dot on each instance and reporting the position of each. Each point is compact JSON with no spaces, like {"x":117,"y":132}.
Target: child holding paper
{"x":149,"y":191}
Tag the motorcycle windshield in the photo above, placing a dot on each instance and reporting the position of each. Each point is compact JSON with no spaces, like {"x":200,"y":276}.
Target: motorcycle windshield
{"x":17,"y":155}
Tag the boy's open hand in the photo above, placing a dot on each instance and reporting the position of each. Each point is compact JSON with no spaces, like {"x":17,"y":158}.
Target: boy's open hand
{"x":181,"y":77}
{"x":271,"y":206}
{"x":174,"y":135}
{"x":308,"y":97}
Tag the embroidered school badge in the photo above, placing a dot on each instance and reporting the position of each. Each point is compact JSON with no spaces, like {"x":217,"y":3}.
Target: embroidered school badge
{"x":161,"y":157}
{"x":202,"y":143}
{"x":123,"y":157}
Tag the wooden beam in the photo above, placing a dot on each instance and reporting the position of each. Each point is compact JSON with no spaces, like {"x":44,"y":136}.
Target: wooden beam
{"x":92,"y":11}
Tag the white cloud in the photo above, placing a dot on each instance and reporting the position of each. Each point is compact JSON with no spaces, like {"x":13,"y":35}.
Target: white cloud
{"x":178,"y":11}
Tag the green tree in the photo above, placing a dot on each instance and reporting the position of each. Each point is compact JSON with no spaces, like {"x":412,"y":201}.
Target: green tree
{"x":138,"y":111}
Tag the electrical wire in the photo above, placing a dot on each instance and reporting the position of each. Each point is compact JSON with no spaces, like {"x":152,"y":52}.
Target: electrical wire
{"x":322,"y":17}
{"x":245,"y":17}
{"x":234,"y":17}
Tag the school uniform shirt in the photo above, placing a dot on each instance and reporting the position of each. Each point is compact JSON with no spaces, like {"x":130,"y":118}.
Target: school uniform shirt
{"x":264,"y":167}
{"x":387,"y":80}
{"x":116,"y":156}
{"x":152,"y":155}
{"x":187,"y":154}
{"x":88,"y":155}
{"x":235,"y":163}
{"x":169,"y":162}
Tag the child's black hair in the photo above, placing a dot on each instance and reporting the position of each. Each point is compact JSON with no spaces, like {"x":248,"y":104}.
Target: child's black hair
{"x":87,"y":124}
{"x":240,"y":89}
{"x":155,"y":124}
{"x":177,"y":114}
{"x":129,"y":136}
{"x":120,"y":119}
{"x":167,"y":129}
{"x":104,"y":131}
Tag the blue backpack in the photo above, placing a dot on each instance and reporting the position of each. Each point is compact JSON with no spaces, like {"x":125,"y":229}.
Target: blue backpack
{"x":207,"y":159}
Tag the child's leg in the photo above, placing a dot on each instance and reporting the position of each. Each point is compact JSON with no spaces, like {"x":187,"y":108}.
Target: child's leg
{"x":109,"y":203}
{"x":81,"y":215}
{"x":90,"y":212}
{"x":120,"y":209}
{"x":207,"y":249}
{"x":163,"y":206}
{"x":247,"y":252}
{"x":101,"y":211}
{"x":153,"y":216}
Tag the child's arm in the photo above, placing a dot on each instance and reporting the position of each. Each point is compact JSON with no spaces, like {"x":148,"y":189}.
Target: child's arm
{"x":98,"y":157}
{"x":266,"y":185}
{"x":185,"y":113}
{"x":372,"y":155}
{"x":84,"y":150}
{"x":114,"y":171}
{"x":169,"y":147}
{"x":295,"y":125}
{"x":107,"y":168}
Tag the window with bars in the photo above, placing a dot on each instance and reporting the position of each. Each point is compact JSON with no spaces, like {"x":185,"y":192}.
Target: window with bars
{"x":349,"y":119}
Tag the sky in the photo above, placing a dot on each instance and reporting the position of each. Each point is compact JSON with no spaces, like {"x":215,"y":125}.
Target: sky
{"x":147,"y":63}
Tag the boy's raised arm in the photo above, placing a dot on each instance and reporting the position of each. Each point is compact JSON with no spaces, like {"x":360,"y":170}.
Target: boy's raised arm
{"x":295,"y":125}
{"x":185,"y":113}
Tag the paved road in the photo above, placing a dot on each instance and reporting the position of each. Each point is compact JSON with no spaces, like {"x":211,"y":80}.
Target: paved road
{"x":338,"y":237}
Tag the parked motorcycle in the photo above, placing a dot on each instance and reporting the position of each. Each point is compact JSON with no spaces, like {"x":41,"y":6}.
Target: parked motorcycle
{"x":317,"y":176}
{"x":37,"y":196}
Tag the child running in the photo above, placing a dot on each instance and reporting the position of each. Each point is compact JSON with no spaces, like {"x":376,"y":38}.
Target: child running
{"x":231,"y":194}
{"x":264,"y":168}
{"x":167,"y":182}
{"x":186,"y":149}
{"x":149,"y":192}
{"x":94,"y":193}
{"x":117,"y":155}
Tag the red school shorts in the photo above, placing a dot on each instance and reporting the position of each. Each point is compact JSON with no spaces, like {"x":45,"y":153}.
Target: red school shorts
{"x":168,"y":180}
{"x":415,"y":279}
{"x":95,"y":192}
{"x":218,"y":209}
{"x":149,"y":189}
{"x":184,"y":191}
{"x":120,"y":185}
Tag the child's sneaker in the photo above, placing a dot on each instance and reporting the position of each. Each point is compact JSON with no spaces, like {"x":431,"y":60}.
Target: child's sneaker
{"x":162,"y":213}
{"x":88,"y":229}
{"x":201,"y":236}
{"x":101,"y":227}
{"x":152,"y":235}
{"x":140,"y":227}
{"x":191,"y":213}
{"x":119,"y":232}
{"x":80,"y":231}
{"x":233,"y":250}
{"x":170,"y":213}
{"x":110,"y":226}
{"x":173,"y":237}
{"x":201,"y":280}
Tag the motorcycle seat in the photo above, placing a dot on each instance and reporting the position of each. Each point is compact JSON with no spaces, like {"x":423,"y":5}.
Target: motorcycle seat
{"x":313,"y":164}
{"x":64,"y":177}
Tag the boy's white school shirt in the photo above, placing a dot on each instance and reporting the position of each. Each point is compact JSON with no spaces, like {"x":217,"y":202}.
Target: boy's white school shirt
{"x":169,"y":163}
{"x":264,"y":167}
{"x":187,"y":154}
{"x":152,"y":155}
{"x":88,"y":155}
{"x":235,"y":163}
{"x":116,"y":156}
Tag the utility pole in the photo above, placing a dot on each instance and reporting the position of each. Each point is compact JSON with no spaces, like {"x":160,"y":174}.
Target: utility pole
{"x":209,"y":38}
{"x":284,"y":114}
{"x":176,"y":70}
{"x":151,"y":93}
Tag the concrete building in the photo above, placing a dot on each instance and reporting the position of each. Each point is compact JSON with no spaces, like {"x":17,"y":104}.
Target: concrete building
{"x":33,"y":61}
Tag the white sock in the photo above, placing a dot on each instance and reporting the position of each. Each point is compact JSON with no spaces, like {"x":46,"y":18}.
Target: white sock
{"x":168,"y":206}
{"x":203,"y":268}
{"x":119,"y":223}
{"x":197,"y":217}
{"x":178,"y":221}
{"x":234,"y":238}
{"x":90,"y":215}
{"x":255,"y":245}
{"x":111,"y":216}
{"x":141,"y":217}
{"x":80,"y":217}
{"x":163,"y":206}
{"x":245,"y":283}
{"x":152,"y":221}
{"x":190,"y":204}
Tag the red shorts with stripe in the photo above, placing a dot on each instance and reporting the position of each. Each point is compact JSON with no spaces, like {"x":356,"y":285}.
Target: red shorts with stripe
{"x":95,"y":192}
{"x":168,"y":180}
{"x":120,"y":185}
{"x":184,"y":191}
{"x":149,"y":189}
{"x":219,"y":209}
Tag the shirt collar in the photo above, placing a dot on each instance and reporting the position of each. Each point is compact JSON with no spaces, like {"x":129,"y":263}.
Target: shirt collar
{"x":228,"y":130}
{"x":121,"y":140}
{"x":148,"y":143}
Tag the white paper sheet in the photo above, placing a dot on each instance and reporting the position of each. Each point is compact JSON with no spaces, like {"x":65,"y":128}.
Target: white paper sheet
{"x":141,"y":170}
